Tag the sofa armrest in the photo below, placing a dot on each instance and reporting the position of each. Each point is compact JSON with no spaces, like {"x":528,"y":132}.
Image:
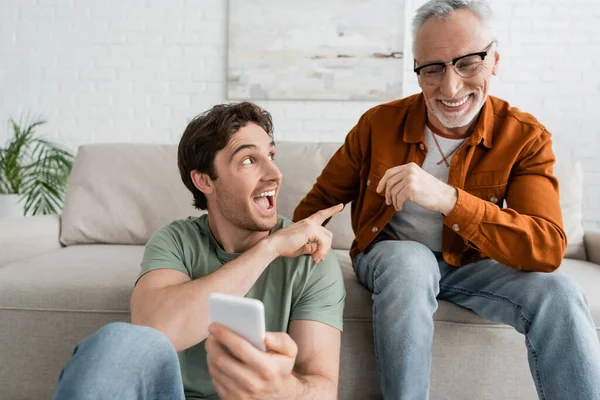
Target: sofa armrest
{"x":592,"y":246}
{"x":28,"y":236}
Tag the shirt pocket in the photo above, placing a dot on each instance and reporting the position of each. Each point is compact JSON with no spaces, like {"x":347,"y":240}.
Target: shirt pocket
{"x":373,"y":176}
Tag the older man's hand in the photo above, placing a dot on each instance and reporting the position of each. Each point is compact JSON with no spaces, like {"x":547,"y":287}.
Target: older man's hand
{"x":411,"y":182}
{"x":241,"y":371}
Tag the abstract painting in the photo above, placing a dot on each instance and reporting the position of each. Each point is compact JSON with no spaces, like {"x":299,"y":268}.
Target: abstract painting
{"x":316,"y":49}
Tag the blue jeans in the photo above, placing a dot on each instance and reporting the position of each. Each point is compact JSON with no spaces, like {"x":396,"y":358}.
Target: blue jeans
{"x":407,"y":280}
{"x":122,"y":361}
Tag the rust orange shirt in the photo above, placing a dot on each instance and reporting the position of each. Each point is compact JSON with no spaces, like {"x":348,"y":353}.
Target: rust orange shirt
{"x":507,"y":157}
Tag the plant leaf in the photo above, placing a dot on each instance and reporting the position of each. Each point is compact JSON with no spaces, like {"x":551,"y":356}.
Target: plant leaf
{"x":36,"y":168}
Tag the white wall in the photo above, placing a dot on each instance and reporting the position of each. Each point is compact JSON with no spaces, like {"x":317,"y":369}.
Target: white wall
{"x":137,"y":70}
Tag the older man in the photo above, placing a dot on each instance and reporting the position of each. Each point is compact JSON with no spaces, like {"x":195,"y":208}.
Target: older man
{"x":428,"y":176}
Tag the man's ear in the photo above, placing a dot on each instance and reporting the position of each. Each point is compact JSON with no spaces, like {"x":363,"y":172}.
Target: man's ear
{"x":419,"y":81}
{"x":496,"y":61}
{"x":202,"y":182}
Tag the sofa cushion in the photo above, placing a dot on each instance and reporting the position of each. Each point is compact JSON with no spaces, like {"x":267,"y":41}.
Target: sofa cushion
{"x":122,"y":193}
{"x":50,"y":303}
{"x":76,"y":278}
{"x":101,"y":277}
{"x":359,"y":303}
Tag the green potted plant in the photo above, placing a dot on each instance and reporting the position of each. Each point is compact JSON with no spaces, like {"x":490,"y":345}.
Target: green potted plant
{"x":33,"y":172}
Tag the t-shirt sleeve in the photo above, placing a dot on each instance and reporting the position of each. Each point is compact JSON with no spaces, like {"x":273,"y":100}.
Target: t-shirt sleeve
{"x":164,"y":251}
{"x":323,"y":297}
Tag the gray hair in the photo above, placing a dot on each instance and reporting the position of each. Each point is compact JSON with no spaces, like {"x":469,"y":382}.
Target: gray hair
{"x":443,"y":8}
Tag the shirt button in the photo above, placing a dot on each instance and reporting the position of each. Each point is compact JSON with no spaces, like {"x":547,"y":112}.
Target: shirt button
{"x":375,"y":229}
{"x":455,"y":228}
{"x":422,"y":147}
{"x":368,"y":182}
{"x":494,"y":199}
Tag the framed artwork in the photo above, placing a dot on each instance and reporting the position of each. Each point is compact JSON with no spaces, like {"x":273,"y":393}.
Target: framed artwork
{"x":316,"y":49}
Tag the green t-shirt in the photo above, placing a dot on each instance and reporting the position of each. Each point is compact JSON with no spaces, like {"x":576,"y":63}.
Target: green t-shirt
{"x":290,"y":288}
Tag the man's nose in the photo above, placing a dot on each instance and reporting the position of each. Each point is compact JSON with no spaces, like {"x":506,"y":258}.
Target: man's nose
{"x":271,"y":172}
{"x":451,"y":84}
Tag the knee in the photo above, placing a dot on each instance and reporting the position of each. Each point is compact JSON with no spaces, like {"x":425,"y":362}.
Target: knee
{"x":118,"y":355}
{"x":559,"y":291}
{"x":121,"y":332}
{"x":410,"y":264}
{"x":121,"y":338}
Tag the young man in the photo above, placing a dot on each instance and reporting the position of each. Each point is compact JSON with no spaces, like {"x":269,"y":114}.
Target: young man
{"x":428,"y":176}
{"x":241,"y":247}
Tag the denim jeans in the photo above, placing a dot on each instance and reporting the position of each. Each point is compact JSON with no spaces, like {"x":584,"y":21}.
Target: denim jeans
{"x":407,"y":280}
{"x":122,"y":361}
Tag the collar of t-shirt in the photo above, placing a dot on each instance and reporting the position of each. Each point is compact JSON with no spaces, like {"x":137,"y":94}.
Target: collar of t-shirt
{"x":442,"y":146}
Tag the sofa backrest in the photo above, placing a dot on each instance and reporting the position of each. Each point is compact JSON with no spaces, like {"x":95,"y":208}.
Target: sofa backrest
{"x":569,"y":173}
{"x":122,"y":193}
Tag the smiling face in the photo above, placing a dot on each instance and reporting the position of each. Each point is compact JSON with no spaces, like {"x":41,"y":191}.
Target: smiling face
{"x":454,"y":103}
{"x":248,"y":181}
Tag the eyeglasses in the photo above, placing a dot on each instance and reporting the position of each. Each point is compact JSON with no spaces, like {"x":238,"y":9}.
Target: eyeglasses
{"x":465,"y":66}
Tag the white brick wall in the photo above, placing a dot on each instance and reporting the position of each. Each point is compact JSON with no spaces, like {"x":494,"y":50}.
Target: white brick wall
{"x":137,"y":70}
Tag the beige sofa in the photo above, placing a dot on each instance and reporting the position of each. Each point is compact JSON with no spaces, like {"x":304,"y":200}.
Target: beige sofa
{"x":61,"y":278}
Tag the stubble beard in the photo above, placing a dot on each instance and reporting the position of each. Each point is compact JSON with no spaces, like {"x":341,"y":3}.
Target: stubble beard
{"x":462,"y":119}
{"x":237,"y":212}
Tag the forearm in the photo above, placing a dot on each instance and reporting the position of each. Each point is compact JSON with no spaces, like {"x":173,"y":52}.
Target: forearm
{"x":522,"y":241}
{"x":181,"y":311}
{"x":314,"y":387}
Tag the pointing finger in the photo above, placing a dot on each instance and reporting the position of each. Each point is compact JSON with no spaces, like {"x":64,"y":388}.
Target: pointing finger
{"x":320,"y":216}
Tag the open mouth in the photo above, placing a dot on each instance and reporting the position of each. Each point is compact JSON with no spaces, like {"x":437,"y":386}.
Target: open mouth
{"x":266,"y":200}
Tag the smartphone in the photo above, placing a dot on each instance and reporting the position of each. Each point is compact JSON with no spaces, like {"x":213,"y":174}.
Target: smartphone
{"x":245,"y":317}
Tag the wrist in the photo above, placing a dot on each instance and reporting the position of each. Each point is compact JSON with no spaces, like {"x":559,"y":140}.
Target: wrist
{"x":449,"y":200}
{"x":268,"y":247}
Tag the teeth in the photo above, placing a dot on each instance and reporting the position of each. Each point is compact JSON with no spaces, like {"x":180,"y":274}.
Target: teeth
{"x":263,"y":194}
{"x":457,"y":104}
